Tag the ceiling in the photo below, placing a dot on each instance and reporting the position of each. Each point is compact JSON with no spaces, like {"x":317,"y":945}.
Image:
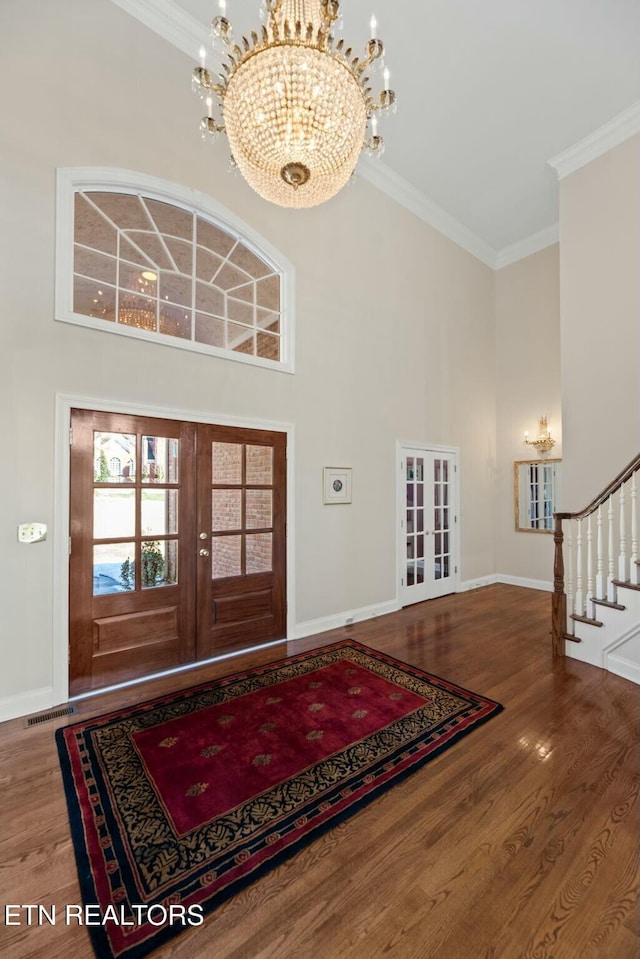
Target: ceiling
{"x":488,"y":92}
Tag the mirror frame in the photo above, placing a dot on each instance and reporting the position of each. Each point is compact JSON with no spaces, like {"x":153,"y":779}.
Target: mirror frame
{"x":516,"y":486}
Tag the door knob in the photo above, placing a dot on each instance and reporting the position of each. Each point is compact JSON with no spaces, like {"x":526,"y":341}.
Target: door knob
{"x":203,"y":536}
{"x":204,"y":552}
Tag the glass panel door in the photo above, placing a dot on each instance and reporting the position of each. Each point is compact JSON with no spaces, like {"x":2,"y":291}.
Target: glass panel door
{"x":241,"y":491}
{"x":428,"y":525}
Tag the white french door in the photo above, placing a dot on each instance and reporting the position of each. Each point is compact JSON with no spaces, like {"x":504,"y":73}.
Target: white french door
{"x":428,"y":523}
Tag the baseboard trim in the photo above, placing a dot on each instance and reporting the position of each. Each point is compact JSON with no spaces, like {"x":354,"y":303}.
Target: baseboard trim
{"x":543,"y":584}
{"x":507,"y":580}
{"x":335,"y":621}
{"x":23,"y":704}
{"x":477,"y":583}
{"x":623,"y":667}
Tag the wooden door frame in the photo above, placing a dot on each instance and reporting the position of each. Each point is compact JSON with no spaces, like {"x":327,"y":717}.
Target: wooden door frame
{"x":401,"y":505}
{"x":64,"y":403}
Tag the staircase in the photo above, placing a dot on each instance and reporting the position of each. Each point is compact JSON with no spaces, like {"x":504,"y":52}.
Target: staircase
{"x":596,"y":598}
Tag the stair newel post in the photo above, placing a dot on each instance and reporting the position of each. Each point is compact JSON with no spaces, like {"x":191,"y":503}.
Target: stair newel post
{"x":600,"y":586}
{"x":559,"y":599}
{"x":579,"y":602}
{"x":590,"y":593}
{"x":611,"y":590}
{"x":635,"y":570}
{"x":622,"y":555}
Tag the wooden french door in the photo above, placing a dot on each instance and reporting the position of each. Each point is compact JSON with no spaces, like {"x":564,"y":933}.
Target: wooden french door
{"x":178,"y":544}
{"x":428,"y":524}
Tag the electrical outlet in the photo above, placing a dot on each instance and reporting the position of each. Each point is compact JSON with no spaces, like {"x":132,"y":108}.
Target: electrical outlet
{"x":32,"y":532}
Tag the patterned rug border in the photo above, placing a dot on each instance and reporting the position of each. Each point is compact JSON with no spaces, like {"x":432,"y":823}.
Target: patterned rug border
{"x":163,"y":934}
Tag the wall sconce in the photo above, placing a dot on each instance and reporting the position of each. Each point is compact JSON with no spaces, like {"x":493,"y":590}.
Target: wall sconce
{"x":545,"y":441}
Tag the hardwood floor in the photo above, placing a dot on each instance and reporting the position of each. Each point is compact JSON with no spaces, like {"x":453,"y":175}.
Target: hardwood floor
{"x":520,"y":842}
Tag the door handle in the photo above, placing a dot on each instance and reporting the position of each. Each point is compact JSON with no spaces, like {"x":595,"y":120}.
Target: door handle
{"x":204,"y":552}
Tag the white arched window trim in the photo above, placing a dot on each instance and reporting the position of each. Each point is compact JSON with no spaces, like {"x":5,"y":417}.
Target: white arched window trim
{"x":71,"y":180}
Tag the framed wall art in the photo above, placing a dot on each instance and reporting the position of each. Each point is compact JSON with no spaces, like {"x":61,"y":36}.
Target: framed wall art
{"x":337,"y":484}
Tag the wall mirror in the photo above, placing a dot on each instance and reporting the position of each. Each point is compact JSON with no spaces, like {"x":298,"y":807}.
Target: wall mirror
{"x":535,"y":486}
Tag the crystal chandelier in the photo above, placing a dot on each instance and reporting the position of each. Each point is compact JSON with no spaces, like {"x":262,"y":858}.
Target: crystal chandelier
{"x":295,"y":103}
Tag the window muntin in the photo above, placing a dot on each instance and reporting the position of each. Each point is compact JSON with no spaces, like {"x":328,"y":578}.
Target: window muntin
{"x":149,"y":268}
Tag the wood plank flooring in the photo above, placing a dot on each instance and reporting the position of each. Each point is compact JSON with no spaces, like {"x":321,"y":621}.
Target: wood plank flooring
{"x":520,"y":842}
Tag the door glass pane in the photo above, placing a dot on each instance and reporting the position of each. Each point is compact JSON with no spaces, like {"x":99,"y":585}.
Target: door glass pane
{"x":159,"y":512}
{"x":420,"y":520}
{"x":159,"y":563}
{"x":419,"y":470}
{"x":409,"y":521}
{"x":114,"y":513}
{"x":259,"y":465}
{"x":226,"y":556}
{"x":419,"y":572}
{"x":410,"y":547}
{"x":113,"y":568}
{"x":259,"y":550}
{"x":445,"y":470}
{"x":259,"y":508}
{"x":410,"y":469}
{"x":227,"y":463}
{"x":420,"y":494}
{"x":159,"y":459}
{"x":437,"y":470}
{"x":420,"y":547}
{"x":226,"y":505}
{"x":114,"y":457}
{"x":411,"y":574}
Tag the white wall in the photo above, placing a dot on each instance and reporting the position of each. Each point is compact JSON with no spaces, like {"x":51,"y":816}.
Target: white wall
{"x":395,"y":326}
{"x":527,"y":387}
{"x":600,"y":310}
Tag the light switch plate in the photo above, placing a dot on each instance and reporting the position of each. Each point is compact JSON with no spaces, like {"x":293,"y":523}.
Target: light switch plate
{"x":32,"y":532}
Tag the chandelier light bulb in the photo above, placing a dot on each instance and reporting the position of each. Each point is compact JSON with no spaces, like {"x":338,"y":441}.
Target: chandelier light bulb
{"x":295,"y":101}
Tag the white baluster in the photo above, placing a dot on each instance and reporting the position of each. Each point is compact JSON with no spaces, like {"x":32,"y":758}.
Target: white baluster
{"x":590,"y":593}
{"x":622,"y":555}
{"x":611,"y":589}
{"x":600,"y":584}
{"x":579,"y":593}
{"x":635,"y":569}
{"x":569,"y":574}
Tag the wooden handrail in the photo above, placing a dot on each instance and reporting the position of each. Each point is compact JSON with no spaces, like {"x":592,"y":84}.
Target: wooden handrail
{"x":621,"y":478}
{"x":558,"y":598}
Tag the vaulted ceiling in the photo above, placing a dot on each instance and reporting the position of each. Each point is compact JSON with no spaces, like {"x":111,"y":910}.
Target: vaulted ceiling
{"x":488,"y":93}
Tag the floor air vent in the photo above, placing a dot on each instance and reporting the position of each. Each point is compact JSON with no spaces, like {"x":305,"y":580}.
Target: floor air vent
{"x":50,"y":714}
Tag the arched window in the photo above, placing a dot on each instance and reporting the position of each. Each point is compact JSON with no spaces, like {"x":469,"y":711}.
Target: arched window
{"x":115,"y":466}
{"x":157,"y":261}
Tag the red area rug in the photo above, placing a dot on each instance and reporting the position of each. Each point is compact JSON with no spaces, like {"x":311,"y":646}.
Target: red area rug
{"x":178,"y":804}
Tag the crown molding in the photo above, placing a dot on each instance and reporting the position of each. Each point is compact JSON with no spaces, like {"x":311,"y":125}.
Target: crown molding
{"x":170,"y":22}
{"x":605,"y":138}
{"x":528,"y":246}
{"x":404,"y":193}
